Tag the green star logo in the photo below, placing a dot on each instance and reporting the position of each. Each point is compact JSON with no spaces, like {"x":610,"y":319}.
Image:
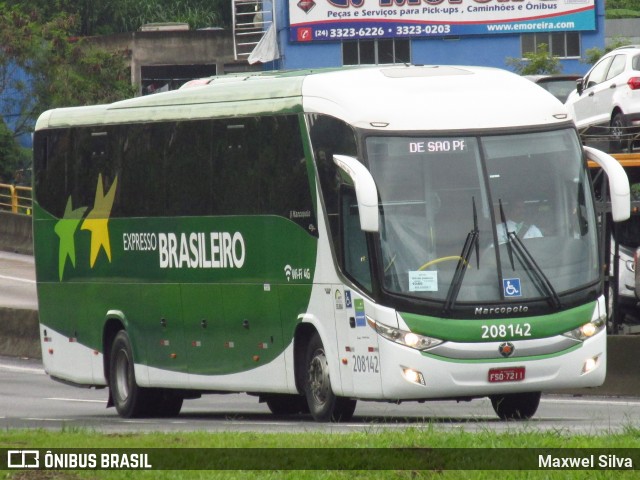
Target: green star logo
{"x":66,"y":228}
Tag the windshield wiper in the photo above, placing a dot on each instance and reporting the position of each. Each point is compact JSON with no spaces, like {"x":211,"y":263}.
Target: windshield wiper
{"x":503,"y":218}
{"x":473,"y":239}
{"x":524,"y":256}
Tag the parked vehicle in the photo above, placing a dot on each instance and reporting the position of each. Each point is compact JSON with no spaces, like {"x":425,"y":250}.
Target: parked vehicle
{"x":560,"y":86}
{"x":607,"y":99}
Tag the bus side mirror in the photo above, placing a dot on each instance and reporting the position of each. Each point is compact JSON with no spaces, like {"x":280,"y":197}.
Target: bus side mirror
{"x":366,"y":191}
{"x":618,"y":183}
{"x":579,"y":86}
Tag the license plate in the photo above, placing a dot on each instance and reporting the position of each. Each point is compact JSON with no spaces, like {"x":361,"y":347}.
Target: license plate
{"x":511,"y":374}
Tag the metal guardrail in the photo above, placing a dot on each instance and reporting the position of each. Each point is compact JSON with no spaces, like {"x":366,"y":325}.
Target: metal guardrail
{"x":622,"y":139}
{"x":16,"y":198}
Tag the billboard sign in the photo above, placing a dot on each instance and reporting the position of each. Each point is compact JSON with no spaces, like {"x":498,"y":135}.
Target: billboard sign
{"x":336,"y":20}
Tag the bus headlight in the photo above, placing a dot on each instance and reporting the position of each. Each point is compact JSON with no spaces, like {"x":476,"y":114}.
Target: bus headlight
{"x":403,"y":337}
{"x":587,"y":330}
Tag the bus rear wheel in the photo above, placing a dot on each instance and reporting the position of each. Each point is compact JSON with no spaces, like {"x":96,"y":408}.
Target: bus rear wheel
{"x":516,"y":406}
{"x":324,"y":405}
{"x":130,"y":399}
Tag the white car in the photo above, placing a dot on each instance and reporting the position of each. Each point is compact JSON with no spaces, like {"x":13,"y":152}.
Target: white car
{"x":607,"y":99}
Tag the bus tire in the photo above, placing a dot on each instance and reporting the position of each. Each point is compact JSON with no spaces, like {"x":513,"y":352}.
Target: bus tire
{"x":283,"y":404}
{"x":619,"y":141}
{"x":129,"y":399}
{"x":324,"y":405}
{"x":516,"y":406}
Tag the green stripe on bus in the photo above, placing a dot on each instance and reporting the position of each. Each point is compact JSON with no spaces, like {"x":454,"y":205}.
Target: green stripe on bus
{"x":482,"y":329}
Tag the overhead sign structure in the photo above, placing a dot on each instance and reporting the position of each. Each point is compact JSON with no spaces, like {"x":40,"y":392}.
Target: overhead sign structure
{"x":335,"y":20}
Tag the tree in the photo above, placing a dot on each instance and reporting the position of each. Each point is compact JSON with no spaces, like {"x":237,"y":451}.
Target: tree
{"x":536,"y":63}
{"x":594,"y":54}
{"x":11,"y":155}
{"x":622,"y":9}
{"x":101,"y":17}
{"x":43,"y":67}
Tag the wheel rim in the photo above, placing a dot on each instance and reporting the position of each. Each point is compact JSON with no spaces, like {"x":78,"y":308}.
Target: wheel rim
{"x":319,"y":378}
{"x":122,"y":375}
{"x":616,"y":129}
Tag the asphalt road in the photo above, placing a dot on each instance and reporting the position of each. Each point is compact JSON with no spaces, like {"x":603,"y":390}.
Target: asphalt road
{"x":17,"y":281}
{"x":30,"y":399}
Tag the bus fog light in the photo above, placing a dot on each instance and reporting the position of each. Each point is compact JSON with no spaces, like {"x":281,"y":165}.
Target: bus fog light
{"x":590,"y":364}
{"x":413,"y":376}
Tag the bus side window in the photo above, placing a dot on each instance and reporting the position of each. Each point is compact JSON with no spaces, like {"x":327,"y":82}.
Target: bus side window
{"x":354,"y":241}
{"x":331,"y":136}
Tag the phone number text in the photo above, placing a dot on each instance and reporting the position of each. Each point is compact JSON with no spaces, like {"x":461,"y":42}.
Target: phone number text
{"x":423,"y":29}
{"x":398,"y":30}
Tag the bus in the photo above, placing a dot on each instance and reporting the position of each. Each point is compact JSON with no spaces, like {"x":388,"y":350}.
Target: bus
{"x":621,"y":240}
{"x":315,"y":238}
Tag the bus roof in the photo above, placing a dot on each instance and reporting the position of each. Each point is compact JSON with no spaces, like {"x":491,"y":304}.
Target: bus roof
{"x":399,"y":97}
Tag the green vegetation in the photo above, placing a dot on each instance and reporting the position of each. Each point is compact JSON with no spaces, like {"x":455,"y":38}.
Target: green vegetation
{"x":536,"y":63}
{"x":12,"y":157}
{"x":594,"y":54}
{"x":46,"y":61}
{"x":43,"y":66}
{"x":622,"y":13}
{"x":102,"y":17}
{"x":622,"y":9}
{"x":377,"y":437}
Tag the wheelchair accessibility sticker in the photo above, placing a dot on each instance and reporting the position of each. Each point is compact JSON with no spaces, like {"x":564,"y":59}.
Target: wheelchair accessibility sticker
{"x":511,"y":287}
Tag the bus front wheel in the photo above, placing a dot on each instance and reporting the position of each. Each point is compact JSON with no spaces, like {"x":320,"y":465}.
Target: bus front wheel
{"x":324,"y":405}
{"x":516,"y":406}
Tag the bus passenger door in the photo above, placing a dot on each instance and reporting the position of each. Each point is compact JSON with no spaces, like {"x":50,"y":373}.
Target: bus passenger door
{"x":160,"y":315}
{"x":357,"y":345}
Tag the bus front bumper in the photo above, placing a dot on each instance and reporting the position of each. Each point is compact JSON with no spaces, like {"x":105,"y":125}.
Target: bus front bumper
{"x":414,"y":375}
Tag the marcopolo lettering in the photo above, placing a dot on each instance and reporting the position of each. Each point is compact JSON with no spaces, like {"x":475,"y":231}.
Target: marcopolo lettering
{"x":199,"y":250}
{"x":504,"y":310}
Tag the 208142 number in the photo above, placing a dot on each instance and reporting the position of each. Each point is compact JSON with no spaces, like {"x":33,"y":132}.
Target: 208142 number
{"x":366,"y":364}
{"x":504,"y":331}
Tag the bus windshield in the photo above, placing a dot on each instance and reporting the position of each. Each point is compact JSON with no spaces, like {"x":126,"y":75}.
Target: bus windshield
{"x":515,"y":211}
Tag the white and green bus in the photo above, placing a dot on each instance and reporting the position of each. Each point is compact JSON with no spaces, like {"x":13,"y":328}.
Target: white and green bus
{"x":398,"y":233}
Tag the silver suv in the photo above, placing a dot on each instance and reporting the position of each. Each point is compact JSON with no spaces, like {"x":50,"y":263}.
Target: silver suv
{"x":607,"y":100}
